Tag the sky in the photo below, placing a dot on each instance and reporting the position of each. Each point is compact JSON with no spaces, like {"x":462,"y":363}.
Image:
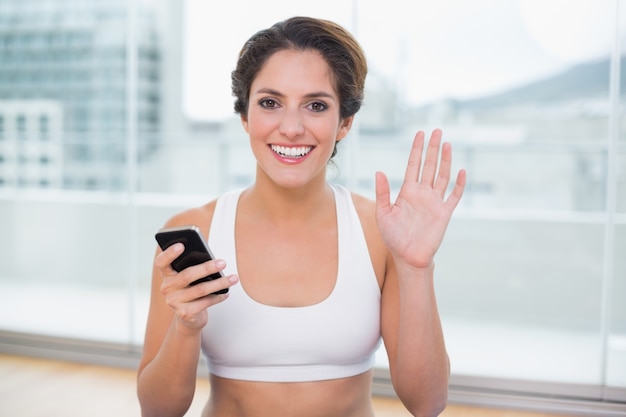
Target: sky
{"x":429,"y":49}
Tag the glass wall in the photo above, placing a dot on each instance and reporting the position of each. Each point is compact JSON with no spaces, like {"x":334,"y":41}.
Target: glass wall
{"x":114,"y":115}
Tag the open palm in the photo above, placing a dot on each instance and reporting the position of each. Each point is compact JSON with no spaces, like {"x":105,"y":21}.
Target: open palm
{"x":413,"y":227}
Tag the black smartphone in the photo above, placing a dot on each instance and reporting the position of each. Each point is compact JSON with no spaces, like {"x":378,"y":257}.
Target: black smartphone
{"x":196,"y":250}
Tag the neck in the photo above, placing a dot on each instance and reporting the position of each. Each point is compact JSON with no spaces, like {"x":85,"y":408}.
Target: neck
{"x":283,"y":205}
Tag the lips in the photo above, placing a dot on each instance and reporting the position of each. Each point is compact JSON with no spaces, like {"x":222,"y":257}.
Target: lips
{"x":291,"y":151}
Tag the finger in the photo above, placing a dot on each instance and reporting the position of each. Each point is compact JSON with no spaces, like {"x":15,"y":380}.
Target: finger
{"x":383,"y":202}
{"x":210,"y":288}
{"x":457,"y":191}
{"x":165,"y":258}
{"x":443,"y":176}
{"x":177,"y":296}
{"x":430,"y":162}
{"x":205,"y":269}
{"x":415,"y":158}
{"x":207,"y":301}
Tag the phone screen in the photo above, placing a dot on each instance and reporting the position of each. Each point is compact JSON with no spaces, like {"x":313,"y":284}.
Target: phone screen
{"x":196,"y":250}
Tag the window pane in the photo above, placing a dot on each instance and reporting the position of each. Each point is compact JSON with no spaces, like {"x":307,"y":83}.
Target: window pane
{"x":521,"y":298}
{"x":89,"y":169}
{"x":520,"y":275}
{"x":621,"y":180}
{"x":62,"y":74}
{"x":616,"y":353}
{"x":64,"y":266}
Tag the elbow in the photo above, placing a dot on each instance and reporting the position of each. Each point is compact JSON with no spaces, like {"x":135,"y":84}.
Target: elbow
{"x":144,"y":406}
{"x":431,"y":405}
{"x":158,"y":412}
{"x":427,"y":397}
{"x":432,"y":409}
{"x":152,"y":405}
{"x":152,"y":409}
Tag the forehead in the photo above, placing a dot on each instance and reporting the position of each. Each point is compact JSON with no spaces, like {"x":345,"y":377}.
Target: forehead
{"x":294,"y":69}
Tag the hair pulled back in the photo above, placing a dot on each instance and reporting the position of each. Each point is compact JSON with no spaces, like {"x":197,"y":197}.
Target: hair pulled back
{"x":337,"y":46}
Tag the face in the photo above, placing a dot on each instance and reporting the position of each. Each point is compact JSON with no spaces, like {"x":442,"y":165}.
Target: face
{"x":293,"y":118}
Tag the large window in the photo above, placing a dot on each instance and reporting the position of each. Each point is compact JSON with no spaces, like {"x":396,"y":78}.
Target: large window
{"x":115,"y":115}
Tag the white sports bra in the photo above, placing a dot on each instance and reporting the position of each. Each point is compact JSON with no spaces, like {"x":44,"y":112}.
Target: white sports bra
{"x":336,"y":338}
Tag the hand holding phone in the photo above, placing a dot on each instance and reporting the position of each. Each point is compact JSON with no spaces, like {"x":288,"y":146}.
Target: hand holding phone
{"x":196,"y":250}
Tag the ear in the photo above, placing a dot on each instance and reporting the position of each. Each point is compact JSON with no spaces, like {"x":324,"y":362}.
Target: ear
{"x":344,"y":127}
{"x":244,"y":123}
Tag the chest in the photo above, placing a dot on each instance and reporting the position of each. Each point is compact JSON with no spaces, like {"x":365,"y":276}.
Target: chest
{"x":287,"y":266}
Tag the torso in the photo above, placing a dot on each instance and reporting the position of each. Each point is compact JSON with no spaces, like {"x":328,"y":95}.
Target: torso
{"x":258,"y":243}
{"x":345,"y":397}
{"x":268,"y":253}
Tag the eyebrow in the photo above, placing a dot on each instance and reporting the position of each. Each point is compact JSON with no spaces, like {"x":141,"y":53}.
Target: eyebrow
{"x":309,"y":95}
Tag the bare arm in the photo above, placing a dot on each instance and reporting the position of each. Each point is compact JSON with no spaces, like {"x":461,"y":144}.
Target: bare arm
{"x":413,"y":336}
{"x":167,"y":372}
{"x":413,"y":228}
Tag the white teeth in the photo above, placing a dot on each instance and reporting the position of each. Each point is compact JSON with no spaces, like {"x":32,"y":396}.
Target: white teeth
{"x":293,"y":152}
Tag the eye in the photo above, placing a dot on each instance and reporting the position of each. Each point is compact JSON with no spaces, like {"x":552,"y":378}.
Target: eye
{"x":268,"y":103}
{"x":317,"y":106}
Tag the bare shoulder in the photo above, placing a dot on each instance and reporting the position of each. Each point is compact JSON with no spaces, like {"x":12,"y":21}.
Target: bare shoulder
{"x":366,"y":210}
{"x":200,"y":216}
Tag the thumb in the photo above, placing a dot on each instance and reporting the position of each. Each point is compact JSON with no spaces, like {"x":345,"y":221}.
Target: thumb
{"x":383,"y":203}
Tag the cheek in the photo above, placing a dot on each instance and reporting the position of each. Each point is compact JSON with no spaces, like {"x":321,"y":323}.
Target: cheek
{"x":257,"y":126}
{"x":324,"y":128}
{"x":332,"y":131}
{"x":262,"y":121}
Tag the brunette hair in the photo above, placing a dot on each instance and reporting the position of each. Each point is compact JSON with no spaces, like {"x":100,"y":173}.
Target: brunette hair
{"x":337,"y":46}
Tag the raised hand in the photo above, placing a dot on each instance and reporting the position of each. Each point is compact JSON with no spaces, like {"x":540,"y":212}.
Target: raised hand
{"x":413,"y":227}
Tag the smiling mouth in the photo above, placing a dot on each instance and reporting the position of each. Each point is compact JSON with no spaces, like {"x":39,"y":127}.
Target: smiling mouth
{"x":291,"y":152}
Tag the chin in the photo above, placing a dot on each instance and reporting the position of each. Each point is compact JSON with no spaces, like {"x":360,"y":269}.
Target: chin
{"x":294,"y":182}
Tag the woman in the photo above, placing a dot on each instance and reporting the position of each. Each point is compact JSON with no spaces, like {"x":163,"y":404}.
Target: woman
{"x":323,"y":273}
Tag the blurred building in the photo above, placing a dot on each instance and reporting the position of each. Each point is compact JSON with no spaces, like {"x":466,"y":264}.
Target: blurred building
{"x":63,"y":74}
{"x":31,"y":148}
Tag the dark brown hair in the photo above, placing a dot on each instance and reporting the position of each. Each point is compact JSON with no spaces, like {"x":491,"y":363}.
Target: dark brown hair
{"x":337,"y":46}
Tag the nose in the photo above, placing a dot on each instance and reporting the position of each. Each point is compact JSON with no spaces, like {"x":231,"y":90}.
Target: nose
{"x":291,"y":124}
